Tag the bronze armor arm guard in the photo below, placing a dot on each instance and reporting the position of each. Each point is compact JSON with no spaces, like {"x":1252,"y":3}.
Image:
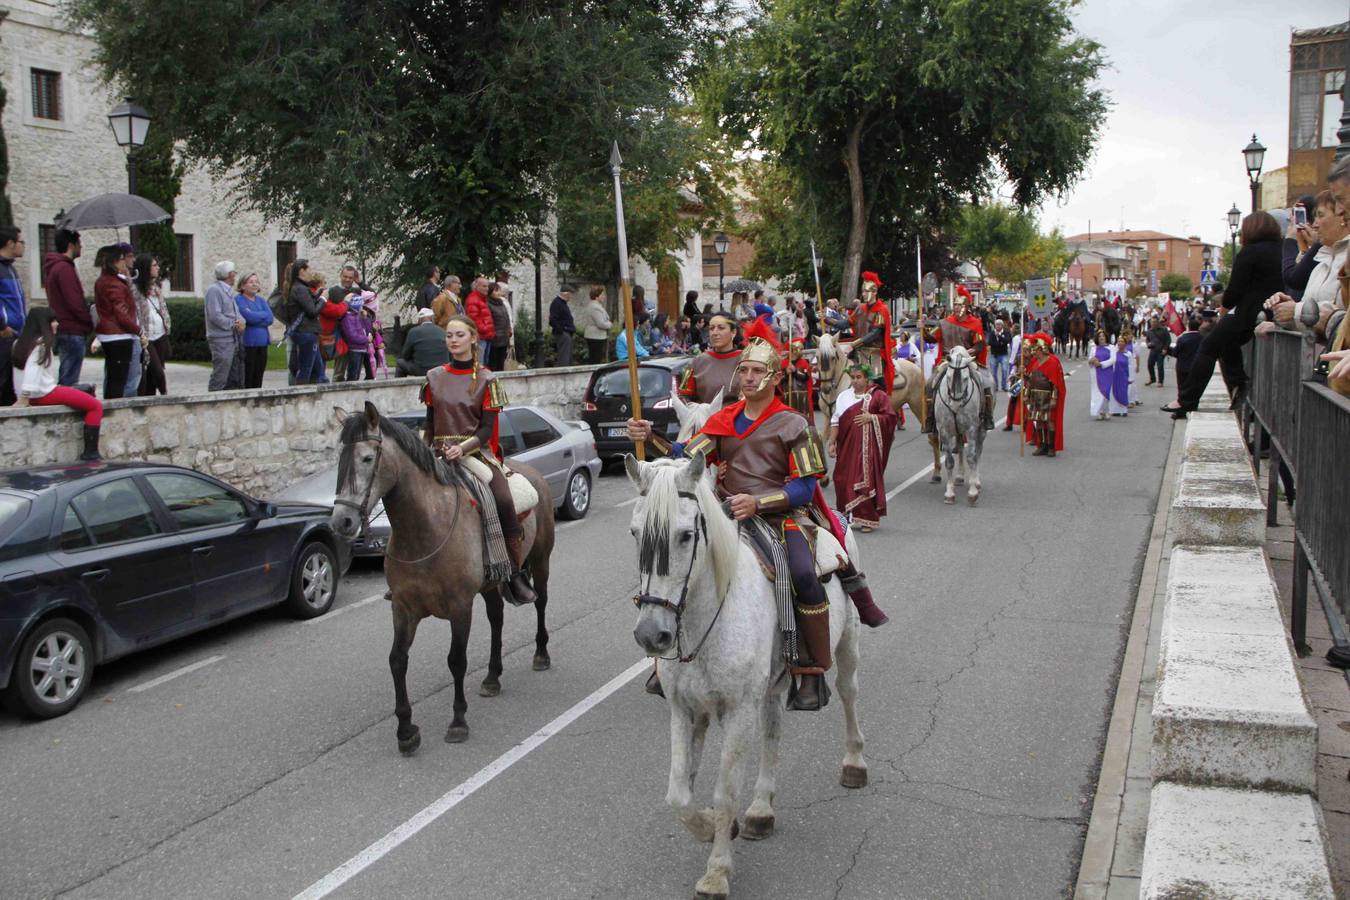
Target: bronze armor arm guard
{"x":774,"y":502}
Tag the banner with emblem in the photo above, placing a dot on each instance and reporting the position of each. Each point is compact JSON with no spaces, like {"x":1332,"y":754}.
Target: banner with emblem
{"x":1040,"y":297}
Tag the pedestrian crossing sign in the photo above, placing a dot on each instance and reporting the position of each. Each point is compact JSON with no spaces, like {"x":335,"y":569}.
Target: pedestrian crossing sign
{"x":1209,"y":277}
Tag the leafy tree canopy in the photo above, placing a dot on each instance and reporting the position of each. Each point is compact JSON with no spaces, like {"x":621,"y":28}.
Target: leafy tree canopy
{"x":411,"y":131}
{"x":897,"y":110}
{"x":1045,"y":256}
{"x":1175,"y":283}
{"x":992,"y":230}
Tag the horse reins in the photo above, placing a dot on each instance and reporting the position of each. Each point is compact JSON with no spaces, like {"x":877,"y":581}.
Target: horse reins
{"x":648,"y":599}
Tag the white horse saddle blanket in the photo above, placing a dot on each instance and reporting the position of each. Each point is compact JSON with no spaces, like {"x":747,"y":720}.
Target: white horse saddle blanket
{"x":830,"y":555}
{"x":523,"y":494}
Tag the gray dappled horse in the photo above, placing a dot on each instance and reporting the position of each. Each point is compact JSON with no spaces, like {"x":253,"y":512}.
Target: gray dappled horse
{"x":956,"y":413}
{"x":434,"y":560}
{"x":707,"y":613}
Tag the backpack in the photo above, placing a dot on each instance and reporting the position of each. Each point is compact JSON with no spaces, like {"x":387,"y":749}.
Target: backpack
{"x":278,"y":304}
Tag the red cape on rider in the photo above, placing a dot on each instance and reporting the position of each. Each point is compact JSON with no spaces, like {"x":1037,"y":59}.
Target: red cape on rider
{"x":1052,"y":369}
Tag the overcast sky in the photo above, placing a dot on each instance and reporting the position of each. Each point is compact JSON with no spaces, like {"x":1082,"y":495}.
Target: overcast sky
{"x":1190,"y":82}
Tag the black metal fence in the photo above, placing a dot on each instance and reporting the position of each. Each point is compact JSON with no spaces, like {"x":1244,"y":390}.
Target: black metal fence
{"x":1306,"y":428}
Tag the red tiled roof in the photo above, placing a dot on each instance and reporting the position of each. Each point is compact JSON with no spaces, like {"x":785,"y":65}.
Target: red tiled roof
{"x":1125,"y":236}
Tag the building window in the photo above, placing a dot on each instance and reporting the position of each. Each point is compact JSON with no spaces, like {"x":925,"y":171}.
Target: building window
{"x":46,"y":94}
{"x":181,"y":279}
{"x":286,"y":253}
{"x":46,"y":244}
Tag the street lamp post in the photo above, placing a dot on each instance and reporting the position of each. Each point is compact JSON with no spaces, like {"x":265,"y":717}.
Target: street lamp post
{"x":1206,"y":254}
{"x":721,"y":244}
{"x":538,"y":299}
{"x":1254,"y":154}
{"x":130,"y":124}
{"x":1234,"y":219}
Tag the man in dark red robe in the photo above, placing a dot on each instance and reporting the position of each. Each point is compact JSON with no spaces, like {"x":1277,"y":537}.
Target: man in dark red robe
{"x":861,"y":446}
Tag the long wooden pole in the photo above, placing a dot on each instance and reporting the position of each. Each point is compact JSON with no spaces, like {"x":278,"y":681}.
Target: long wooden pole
{"x":918,"y":317}
{"x":1022,"y":394}
{"x":635,"y":398}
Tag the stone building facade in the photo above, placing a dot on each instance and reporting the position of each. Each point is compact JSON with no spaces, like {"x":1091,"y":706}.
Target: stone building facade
{"x":61,"y":151}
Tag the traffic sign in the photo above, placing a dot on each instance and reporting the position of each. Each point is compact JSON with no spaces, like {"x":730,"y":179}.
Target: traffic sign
{"x":1040,"y":295}
{"x":1209,"y":277}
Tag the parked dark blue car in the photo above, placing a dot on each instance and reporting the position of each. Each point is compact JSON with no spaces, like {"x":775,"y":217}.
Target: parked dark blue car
{"x":100,"y":560}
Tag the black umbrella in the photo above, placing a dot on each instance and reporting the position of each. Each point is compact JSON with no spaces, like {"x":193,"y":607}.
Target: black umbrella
{"x":741,"y":284}
{"x":111,"y":211}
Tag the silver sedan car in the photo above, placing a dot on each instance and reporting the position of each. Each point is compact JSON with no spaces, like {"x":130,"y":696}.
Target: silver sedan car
{"x":563,"y":452}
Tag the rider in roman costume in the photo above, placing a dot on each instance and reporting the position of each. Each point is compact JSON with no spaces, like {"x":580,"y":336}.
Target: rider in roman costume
{"x":964,"y":329}
{"x":1043,"y":391}
{"x":714,"y":369}
{"x":873,"y":345}
{"x":768,"y":469}
{"x":463,"y":400}
{"x":797,"y":391}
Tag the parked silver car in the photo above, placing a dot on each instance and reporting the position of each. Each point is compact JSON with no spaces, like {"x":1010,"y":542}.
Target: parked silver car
{"x":563,"y":452}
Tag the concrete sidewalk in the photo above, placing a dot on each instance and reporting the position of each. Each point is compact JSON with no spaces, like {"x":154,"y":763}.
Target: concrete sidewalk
{"x":1114,"y":848}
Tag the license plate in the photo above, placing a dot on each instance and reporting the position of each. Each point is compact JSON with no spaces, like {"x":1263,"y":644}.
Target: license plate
{"x":616,"y":432}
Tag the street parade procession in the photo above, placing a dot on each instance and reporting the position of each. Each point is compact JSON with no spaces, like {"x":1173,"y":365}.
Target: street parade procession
{"x":653,"y":450}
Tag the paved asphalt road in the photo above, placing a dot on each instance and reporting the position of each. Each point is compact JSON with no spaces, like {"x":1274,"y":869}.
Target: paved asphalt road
{"x":984,"y":704}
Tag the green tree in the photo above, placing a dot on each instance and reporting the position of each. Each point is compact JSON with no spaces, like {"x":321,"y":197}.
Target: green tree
{"x":899,"y":109}
{"x":415,"y":131}
{"x":1045,"y":256}
{"x":6,"y":213}
{"x":1176,"y":284}
{"x":159,"y":178}
{"x":993,"y":231}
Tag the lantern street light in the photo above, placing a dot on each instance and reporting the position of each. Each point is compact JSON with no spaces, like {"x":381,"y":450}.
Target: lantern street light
{"x":1234,"y":219}
{"x":1206,"y":255}
{"x":1254,"y":154}
{"x":130,"y":124}
{"x":721,"y":244}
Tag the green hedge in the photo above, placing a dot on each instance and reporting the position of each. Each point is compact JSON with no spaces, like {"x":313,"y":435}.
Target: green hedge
{"x":187,"y":317}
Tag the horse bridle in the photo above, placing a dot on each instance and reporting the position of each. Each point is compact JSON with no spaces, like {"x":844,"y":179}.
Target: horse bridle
{"x":364,"y":509}
{"x":970,"y":387}
{"x":649,"y":599}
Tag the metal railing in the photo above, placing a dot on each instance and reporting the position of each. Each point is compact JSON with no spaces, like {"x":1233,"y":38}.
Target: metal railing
{"x":1276,"y":365}
{"x":1307,"y":429}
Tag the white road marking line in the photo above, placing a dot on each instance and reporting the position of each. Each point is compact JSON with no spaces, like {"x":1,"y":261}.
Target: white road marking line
{"x":342,"y":609}
{"x":376,"y":851}
{"x":629,"y":502}
{"x":156,"y":682}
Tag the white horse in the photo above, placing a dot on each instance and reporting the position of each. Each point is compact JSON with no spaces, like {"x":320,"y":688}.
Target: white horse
{"x":833,"y":367}
{"x":956,"y":412}
{"x":708,"y":614}
{"x":694,"y":415}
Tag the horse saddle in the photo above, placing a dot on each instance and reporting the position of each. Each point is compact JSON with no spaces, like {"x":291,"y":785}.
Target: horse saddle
{"x":830,"y":555}
{"x":523,"y":495}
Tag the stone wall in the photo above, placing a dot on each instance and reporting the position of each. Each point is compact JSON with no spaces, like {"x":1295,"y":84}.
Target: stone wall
{"x":259,"y":441}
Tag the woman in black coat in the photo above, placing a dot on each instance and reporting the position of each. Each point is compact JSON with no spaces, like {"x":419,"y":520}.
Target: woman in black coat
{"x":1257,"y":274}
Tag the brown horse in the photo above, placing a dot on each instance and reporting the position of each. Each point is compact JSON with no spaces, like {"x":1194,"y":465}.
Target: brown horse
{"x":1078,"y":334}
{"x":434,"y":559}
{"x":909,"y":388}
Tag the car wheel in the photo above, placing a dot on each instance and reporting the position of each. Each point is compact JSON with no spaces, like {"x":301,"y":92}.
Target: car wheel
{"x":53,"y":669}
{"x":314,"y":581}
{"x":577,"y":498}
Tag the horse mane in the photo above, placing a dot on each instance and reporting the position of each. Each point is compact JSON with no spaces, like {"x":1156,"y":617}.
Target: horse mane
{"x":825,"y":351}
{"x":662,"y":508}
{"x":355,"y":430}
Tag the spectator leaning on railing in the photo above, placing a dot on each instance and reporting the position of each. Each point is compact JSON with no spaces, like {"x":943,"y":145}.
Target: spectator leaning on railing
{"x":1321,"y":296}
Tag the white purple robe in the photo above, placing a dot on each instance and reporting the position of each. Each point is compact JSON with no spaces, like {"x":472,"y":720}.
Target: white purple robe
{"x":1100,"y":395}
{"x":1120,"y":383}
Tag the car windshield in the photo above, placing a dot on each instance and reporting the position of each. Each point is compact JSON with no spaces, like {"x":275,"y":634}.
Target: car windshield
{"x":652,"y":382}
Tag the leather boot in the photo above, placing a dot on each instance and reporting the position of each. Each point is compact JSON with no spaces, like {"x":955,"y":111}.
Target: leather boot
{"x":1050,"y":442}
{"x":809,"y":691}
{"x":1040,"y":442}
{"x":90,"y":443}
{"x":855,"y":585}
{"x":987,"y":411}
{"x":521,"y":592}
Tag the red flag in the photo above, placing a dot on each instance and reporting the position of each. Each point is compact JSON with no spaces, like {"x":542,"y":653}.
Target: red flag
{"x":1173,"y":318}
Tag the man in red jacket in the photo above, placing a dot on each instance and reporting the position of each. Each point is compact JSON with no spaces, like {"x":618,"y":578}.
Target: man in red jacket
{"x":65,"y":296}
{"x":476,"y":308}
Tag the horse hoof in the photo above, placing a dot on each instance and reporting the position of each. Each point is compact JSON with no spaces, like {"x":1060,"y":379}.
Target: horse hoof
{"x":960,"y":480}
{"x":542,"y":663}
{"x":408,"y":746}
{"x":973,"y":499}
{"x":757,"y":828}
{"x":853,"y":777}
{"x":489,"y":688}
{"x":934,"y":479}
{"x":710,"y":894}
{"x":949,"y":500}
{"x":457,"y":734}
